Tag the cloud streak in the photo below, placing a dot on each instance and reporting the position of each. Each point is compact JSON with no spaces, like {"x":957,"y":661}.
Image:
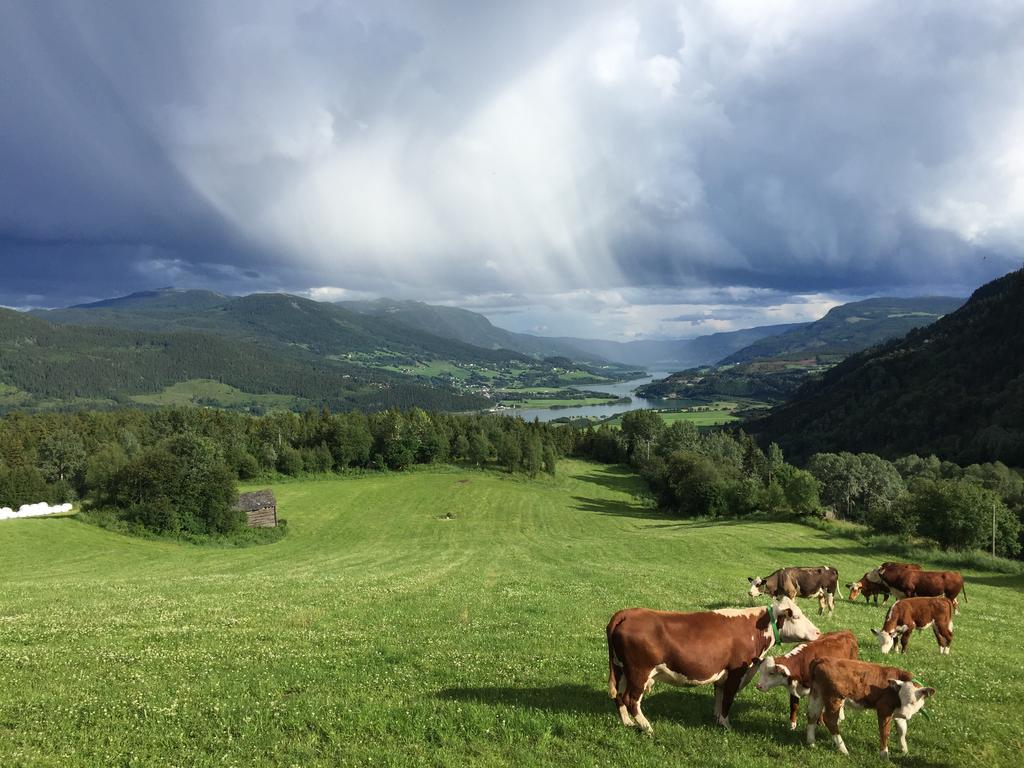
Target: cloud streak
{"x":540,"y":150}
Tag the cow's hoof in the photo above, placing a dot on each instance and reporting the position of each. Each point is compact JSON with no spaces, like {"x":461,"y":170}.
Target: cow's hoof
{"x":792,"y":726}
{"x":884,"y":754}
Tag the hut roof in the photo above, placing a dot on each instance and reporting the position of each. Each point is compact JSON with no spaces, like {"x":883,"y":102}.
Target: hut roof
{"x":250,"y":502}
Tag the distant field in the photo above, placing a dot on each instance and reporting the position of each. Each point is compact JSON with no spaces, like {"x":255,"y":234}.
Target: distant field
{"x":196,"y":390}
{"x":377,"y":633}
{"x":717,"y":413}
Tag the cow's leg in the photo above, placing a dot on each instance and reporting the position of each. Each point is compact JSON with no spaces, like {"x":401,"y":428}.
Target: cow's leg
{"x":944,"y":636}
{"x":636,"y":685}
{"x":831,"y":717}
{"x":884,"y":725}
{"x":905,"y":640}
{"x":733,"y":683}
{"x":821,"y":601}
{"x":719,"y":695}
{"x":901,"y":731}
{"x":814,"y":707}
{"x":831,"y":603}
{"x":620,"y":701}
{"x":794,"y":705}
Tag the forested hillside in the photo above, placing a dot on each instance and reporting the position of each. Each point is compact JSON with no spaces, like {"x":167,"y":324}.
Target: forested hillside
{"x":954,"y":389}
{"x":46,"y":365}
{"x":849,"y":328}
{"x":774,"y":367}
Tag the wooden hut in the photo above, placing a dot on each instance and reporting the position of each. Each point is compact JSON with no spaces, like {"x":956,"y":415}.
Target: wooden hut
{"x":260,"y":508}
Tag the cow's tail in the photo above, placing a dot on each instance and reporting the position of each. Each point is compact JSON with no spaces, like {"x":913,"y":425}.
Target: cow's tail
{"x":613,"y":671}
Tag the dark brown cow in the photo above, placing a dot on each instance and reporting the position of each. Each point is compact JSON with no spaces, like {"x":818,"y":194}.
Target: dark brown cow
{"x":891,"y":692}
{"x":721,"y":647}
{"x":799,"y":582}
{"x":908,"y":582}
{"x":793,"y":669}
{"x":865,"y":586}
{"x":918,"y":613}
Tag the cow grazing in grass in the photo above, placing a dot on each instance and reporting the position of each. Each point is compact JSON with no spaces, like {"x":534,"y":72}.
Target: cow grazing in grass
{"x":917,"y":613}
{"x":793,"y":669}
{"x":913,"y":582}
{"x":799,"y":582}
{"x":870,"y":589}
{"x":891,"y":692}
{"x":720,"y":647}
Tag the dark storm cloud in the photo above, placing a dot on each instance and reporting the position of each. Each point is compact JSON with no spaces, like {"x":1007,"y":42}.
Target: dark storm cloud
{"x":656,"y":161}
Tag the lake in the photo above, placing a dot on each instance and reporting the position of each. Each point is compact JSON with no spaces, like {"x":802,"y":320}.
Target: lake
{"x":619,"y":389}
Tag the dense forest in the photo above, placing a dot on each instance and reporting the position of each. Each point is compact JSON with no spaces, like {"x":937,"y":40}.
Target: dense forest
{"x":66,"y":363}
{"x":954,"y":389}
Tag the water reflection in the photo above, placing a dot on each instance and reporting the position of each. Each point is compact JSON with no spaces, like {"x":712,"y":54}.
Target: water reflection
{"x":619,"y":389}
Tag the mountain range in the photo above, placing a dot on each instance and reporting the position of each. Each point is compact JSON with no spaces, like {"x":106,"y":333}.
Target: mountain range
{"x":954,"y":388}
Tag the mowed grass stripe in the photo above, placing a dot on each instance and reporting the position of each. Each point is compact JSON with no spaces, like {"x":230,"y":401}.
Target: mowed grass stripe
{"x":376,"y":632}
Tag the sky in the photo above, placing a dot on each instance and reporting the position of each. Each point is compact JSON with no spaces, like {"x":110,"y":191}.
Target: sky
{"x":599,"y":169}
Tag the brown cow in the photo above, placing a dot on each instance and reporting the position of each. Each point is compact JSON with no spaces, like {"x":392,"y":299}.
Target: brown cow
{"x":865,"y":586}
{"x":799,"y":582}
{"x":794,"y":668}
{"x":722,"y":647}
{"x":918,"y":613}
{"x":891,"y":692}
{"x":909,"y":582}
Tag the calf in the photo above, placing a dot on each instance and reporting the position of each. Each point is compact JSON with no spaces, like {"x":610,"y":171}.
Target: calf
{"x":799,"y":582}
{"x":722,"y":647}
{"x":794,"y":668}
{"x":910,"y":582}
{"x":917,"y":613}
{"x":865,"y":586}
{"x":891,"y":692}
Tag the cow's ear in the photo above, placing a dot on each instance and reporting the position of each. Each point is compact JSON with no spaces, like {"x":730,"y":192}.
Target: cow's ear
{"x":875,"y":632}
{"x":849,"y":586}
{"x":902,"y":629}
{"x":896,"y":684}
{"x":750,"y":579}
{"x":924,"y":693}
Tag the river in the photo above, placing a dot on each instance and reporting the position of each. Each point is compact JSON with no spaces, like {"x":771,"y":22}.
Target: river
{"x":619,"y":389}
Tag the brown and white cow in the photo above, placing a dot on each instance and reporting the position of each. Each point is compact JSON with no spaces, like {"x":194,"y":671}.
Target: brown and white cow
{"x":918,"y":613}
{"x":911,"y":582}
{"x":799,"y":582}
{"x":720,"y":647}
{"x":891,"y":692}
{"x":870,"y":589}
{"x":793,"y":669}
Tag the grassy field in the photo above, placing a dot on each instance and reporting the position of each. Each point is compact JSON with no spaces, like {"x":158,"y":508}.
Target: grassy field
{"x":717,"y":413}
{"x":378,"y":633}
{"x":224,"y":395}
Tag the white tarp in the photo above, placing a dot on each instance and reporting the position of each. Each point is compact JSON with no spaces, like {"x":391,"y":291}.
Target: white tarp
{"x":33,"y":510}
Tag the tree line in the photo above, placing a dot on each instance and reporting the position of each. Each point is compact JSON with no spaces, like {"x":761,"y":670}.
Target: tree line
{"x":175,"y":470}
{"x":726,"y":473}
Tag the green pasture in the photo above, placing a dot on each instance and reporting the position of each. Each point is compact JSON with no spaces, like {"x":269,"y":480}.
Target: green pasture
{"x":380,"y":632}
{"x":224,"y":395}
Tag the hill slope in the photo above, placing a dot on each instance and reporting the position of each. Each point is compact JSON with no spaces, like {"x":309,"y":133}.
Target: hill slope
{"x":955,"y":389}
{"x":849,"y":328}
{"x":378,"y":633}
{"x":42,"y":364}
{"x":465,"y":326}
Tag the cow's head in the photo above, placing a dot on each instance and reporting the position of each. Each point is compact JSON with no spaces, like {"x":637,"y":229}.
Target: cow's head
{"x":755,"y":585}
{"x":772,"y":675}
{"x":887,"y":640}
{"x":912,"y":697}
{"x":855,"y":589}
{"x":793,"y":626}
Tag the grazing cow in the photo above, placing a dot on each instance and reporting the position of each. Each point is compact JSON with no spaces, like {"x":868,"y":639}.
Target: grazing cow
{"x":794,"y":668}
{"x":891,"y":692}
{"x":918,"y":613}
{"x":722,"y":647}
{"x":865,"y":586}
{"x":799,"y":582}
{"x":911,"y":582}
